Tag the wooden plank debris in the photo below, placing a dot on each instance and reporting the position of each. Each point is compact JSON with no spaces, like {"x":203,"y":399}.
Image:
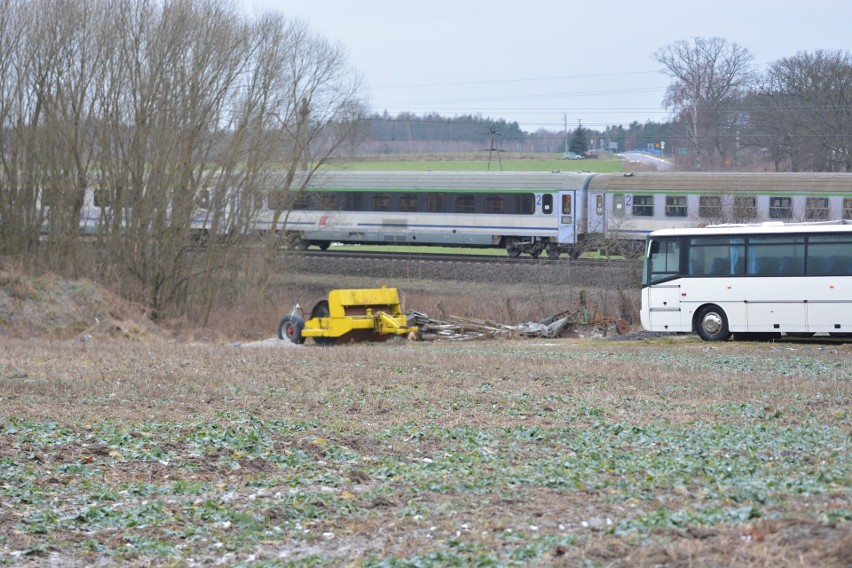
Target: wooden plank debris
{"x":460,"y":328}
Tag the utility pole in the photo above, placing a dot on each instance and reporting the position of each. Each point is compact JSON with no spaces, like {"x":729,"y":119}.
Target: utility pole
{"x":493,"y":148}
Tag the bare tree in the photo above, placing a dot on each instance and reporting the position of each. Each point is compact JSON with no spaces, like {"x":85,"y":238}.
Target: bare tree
{"x":710,"y":76}
{"x":158,"y":106}
{"x":802,"y":111}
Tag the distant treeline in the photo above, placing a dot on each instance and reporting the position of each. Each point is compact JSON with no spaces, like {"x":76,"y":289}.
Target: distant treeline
{"x":429,"y":133}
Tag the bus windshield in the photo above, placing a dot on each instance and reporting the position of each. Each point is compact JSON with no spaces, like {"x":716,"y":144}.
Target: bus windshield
{"x":663,"y":261}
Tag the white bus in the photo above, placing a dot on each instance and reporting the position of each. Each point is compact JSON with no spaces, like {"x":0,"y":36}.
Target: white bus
{"x":755,"y":281}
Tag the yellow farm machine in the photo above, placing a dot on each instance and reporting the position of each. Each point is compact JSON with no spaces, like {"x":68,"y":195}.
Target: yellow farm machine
{"x":348,"y":316}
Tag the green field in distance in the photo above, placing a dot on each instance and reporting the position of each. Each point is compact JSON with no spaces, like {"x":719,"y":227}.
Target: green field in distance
{"x":525,"y":164}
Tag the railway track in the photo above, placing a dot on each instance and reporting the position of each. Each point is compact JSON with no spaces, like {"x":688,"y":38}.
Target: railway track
{"x":460,"y":258}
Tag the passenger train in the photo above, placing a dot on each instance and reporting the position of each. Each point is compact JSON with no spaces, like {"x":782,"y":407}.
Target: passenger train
{"x":532,"y":213}
{"x":555,"y":212}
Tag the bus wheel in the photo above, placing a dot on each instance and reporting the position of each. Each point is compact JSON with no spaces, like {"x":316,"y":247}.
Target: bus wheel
{"x":712,"y":324}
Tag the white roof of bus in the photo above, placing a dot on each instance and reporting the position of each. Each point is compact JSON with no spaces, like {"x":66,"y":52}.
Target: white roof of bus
{"x":758,"y":229}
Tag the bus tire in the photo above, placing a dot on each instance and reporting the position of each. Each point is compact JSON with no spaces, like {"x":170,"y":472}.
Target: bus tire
{"x":711,"y":324}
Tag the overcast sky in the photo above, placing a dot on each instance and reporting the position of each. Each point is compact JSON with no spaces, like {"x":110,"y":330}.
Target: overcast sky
{"x":540,"y":62}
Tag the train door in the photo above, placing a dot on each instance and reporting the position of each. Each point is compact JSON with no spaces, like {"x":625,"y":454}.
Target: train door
{"x":596,"y":213}
{"x":566,"y":228}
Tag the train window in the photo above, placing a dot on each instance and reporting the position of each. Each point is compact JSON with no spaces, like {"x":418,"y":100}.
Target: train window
{"x":302,"y":201}
{"x":547,"y":204}
{"x":780,"y":207}
{"x":381,"y":202}
{"x":408,"y":202}
{"x":847,"y":207}
{"x":526,"y":203}
{"x":353,"y":201}
{"x":816,"y":209}
{"x":46,"y":197}
{"x":465,"y":203}
{"x":102,"y":198}
{"x":277,"y":200}
{"x":710,"y":206}
{"x":495,"y":204}
{"x":599,"y":205}
{"x":566,"y":204}
{"x":745,"y":208}
{"x":618,"y":204}
{"x":675,"y":206}
{"x":326,"y":201}
{"x":436,"y":202}
{"x":643,"y":205}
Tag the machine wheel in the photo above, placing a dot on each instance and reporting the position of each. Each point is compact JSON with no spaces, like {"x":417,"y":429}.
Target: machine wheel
{"x":291,"y":327}
{"x":320,"y":310}
{"x":553,"y":252}
{"x":513,"y":249}
{"x":323,"y":245}
{"x":711,"y":324}
{"x":535,"y":253}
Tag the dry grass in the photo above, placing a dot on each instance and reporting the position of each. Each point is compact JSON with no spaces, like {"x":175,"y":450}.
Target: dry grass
{"x":501,"y":452}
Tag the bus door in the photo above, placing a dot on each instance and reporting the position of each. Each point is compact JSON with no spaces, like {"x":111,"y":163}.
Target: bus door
{"x":566,"y":228}
{"x":661,"y":304}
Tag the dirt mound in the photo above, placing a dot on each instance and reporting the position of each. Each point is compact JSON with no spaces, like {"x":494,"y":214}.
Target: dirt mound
{"x":55,"y":308}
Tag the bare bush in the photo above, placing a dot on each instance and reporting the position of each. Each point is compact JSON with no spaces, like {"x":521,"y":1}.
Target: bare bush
{"x":151,"y":105}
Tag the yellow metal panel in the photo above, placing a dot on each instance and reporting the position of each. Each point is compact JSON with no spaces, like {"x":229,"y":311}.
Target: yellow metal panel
{"x":357,"y":310}
{"x":339,"y":300}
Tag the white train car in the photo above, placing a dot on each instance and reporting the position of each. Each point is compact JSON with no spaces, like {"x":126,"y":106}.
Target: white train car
{"x":522,"y":212}
{"x":630,"y":206}
{"x":555,"y":212}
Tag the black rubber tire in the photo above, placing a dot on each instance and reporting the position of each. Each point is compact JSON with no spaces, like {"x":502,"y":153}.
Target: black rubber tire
{"x":711,"y":324}
{"x":291,"y":327}
{"x":320,"y":310}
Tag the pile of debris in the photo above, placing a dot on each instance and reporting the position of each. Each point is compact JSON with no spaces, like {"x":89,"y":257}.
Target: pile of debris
{"x":459,"y":328}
